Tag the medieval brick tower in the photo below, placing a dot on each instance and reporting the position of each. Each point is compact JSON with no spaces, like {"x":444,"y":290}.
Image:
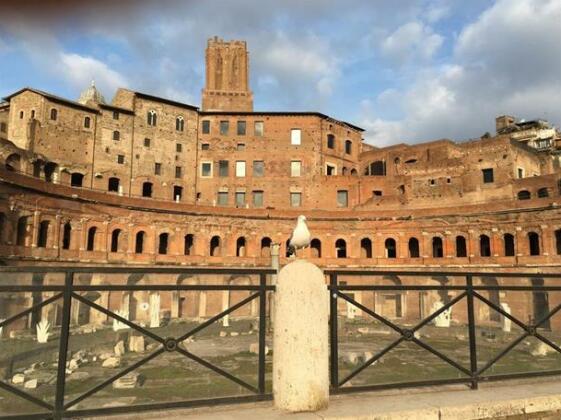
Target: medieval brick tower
{"x":227,"y":77}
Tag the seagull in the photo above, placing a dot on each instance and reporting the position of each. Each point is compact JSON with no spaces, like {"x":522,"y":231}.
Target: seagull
{"x":300,"y":237}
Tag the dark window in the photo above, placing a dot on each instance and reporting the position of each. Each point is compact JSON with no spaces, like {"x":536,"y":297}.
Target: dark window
{"x":206,"y":126}
{"x":341,"y":248}
{"x":178,"y":171}
{"x":76,"y":179}
{"x":377,"y":168}
{"x":330,"y":170}
{"x":414,"y":248}
{"x":121,"y":159}
{"x":461,"y":248}
{"x":543,"y":192}
{"x":147,"y":189}
{"x":115,"y":115}
{"x":509,"y":245}
{"x":391,"y":248}
{"x":113,"y":184}
{"x":116,"y":135}
{"x":258,"y":168}
{"x":178,"y":147}
{"x":139,"y":242}
{"x":179,"y":124}
{"x":90,"y":246}
{"x":348,"y":147}
{"x":206,"y":169}
{"x":224,"y":126}
{"x":21,"y":115}
{"x":315,"y":246}
{"x":240,"y":247}
{"x":177,"y":192}
{"x":487,"y":175}
{"x":365,"y":248}
{"x":32,"y":113}
{"x":163,"y":243}
{"x":146,"y":142}
{"x":54,"y":114}
{"x":534,"y":243}
{"x":241,"y":128}
{"x":157,"y":168}
{"x":223,"y":168}
{"x":66,"y":235}
{"x":558,"y":241}
{"x":377,"y":193}
{"x":3,"y":127}
{"x":266,"y":247}
{"x":188,"y":244}
{"x":21,"y":235}
{"x":152,"y":118}
{"x":437,"y":248}
{"x":240,"y":147}
{"x":524,"y":195}
{"x":205,"y":146}
{"x":115,"y":240}
{"x":330,"y":141}
{"x":484,"y":246}
{"x":43,"y":234}
{"x":215,"y":250}
{"x":87,"y":122}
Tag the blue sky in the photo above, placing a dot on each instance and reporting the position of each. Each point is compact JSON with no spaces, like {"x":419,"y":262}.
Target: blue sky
{"x":407,"y":70}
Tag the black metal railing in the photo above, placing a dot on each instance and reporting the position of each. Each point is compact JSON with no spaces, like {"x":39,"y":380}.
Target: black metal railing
{"x":474,"y":370}
{"x":67,"y":292}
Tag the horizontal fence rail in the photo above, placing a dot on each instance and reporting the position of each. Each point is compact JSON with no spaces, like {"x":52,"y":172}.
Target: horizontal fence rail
{"x":467,"y":296}
{"x":67,"y":294}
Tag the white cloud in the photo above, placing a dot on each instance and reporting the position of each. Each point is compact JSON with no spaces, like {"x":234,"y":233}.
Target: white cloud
{"x":80,"y":70}
{"x":411,"y":41}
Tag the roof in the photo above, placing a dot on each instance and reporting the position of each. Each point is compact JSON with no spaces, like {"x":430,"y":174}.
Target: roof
{"x":282,"y":113}
{"x":166,"y":101}
{"x":54,"y":98}
{"x":117,"y":108}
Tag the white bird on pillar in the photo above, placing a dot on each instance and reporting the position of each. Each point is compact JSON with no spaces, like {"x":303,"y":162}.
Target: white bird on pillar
{"x":300,"y":237}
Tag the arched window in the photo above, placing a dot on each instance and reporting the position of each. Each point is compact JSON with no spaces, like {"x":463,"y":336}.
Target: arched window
{"x":524,"y":195}
{"x":365,"y":248}
{"x":152,"y":118}
{"x":341,"y":248}
{"x":189,"y":242}
{"x":90,"y":246}
{"x":266,"y":247}
{"x":76,"y":179}
{"x":21,"y":234}
{"x":534,"y":243}
{"x":240,"y":247}
{"x":87,"y":122}
{"x":315,"y":247}
{"x":461,"y":248}
{"x":391,"y":248}
{"x":139,"y":242}
{"x":414,"y":248}
{"x":113,"y":184}
{"x":348,"y":147}
{"x":215,"y":250}
{"x":179,"y":123}
{"x":163,"y":243}
{"x":116,"y":135}
{"x":508,"y":240}
{"x":484,"y":246}
{"x":354,"y":172}
{"x":558,"y":241}
{"x":54,"y":114}
{"x":13,"y":162}
{"x":66,"y":235}
{"x":147,"y":189}
{"x":543,"y":192}
{"x":437,"y":248}
{"x":377,"y":168}
{"x":21,"y":115}
{"x":115,"y":240}
{"x":43,"y":234}
{"x":344,"y":171}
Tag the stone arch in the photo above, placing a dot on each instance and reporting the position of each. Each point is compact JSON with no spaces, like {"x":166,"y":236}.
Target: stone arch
{"x":509,"y":248}
{"x":266,"y":244}
{"x":23,"y":231}
{"x":534,"y":243}
{"x":484,"y":245}
{"x":558,"y":241}
{"x":241,"y":247}
{"x":437,"y":247}
{"x":341,"y":248}
{"x":189,"y":304}
{"x":461,"y":246}
{"x":163,"y":243}
{"x":366,"y":248}
{"x":391,"y":248}
{"x":116,"y":240}
{"x":91,"y":239}
{"x":139,"y":242}
{"x":390,"y":303}
{"x":43,"y":233}
{"x":315,"y":247}
{"x":524,"y":195}
{"x":13,"y":162}
{"x":215,"y":246}
{"x":188,"y":244}
{"x":414,"y":251}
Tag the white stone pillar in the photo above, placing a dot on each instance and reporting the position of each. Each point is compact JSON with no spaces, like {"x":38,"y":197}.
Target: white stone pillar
{"x":301,"y":356}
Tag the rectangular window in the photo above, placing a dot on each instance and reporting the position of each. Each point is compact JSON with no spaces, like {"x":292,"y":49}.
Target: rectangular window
{"x":240,"y":199}
{"x":3,"y":127}
{"x":295,"y":136}
{"x":121,"y":159}
{"x":205,"y":146}
{"x":376,"y":193}
{"x":330,"y":170}
{"x":295,"y":199}
{"x":224,"y":126}
{"x":157,"y":169}
{"x":258,"y":128}
{"x":178,"y":147}
{"x":520,"y":172}
{"x":240,"y":168}
{"x":115,"y":115}
{"x":342,"y":198}
{"x":257,"y":198}
{"x":146,"y":142}
{"x":177,"y":192}
{"x":241,"y":128}
{"x":116,"y":135}
{"x":178,"y":171}
{"x":222,"y":198}
{"x":223,"y":168}
{"x":487,"y":175}
{"x":330,"y":141}
{"x":240,"y":147}
{"x":295,"y":168}
{"x":206,"y":169}
{"x":206,"y":127}
{"x":258,"y":168}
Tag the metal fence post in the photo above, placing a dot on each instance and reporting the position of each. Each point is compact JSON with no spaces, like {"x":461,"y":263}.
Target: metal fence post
{"x":471,"y":327}
{"x":63,"y":347}
{"x":262,"y":330}
{"x":333,"y":339}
